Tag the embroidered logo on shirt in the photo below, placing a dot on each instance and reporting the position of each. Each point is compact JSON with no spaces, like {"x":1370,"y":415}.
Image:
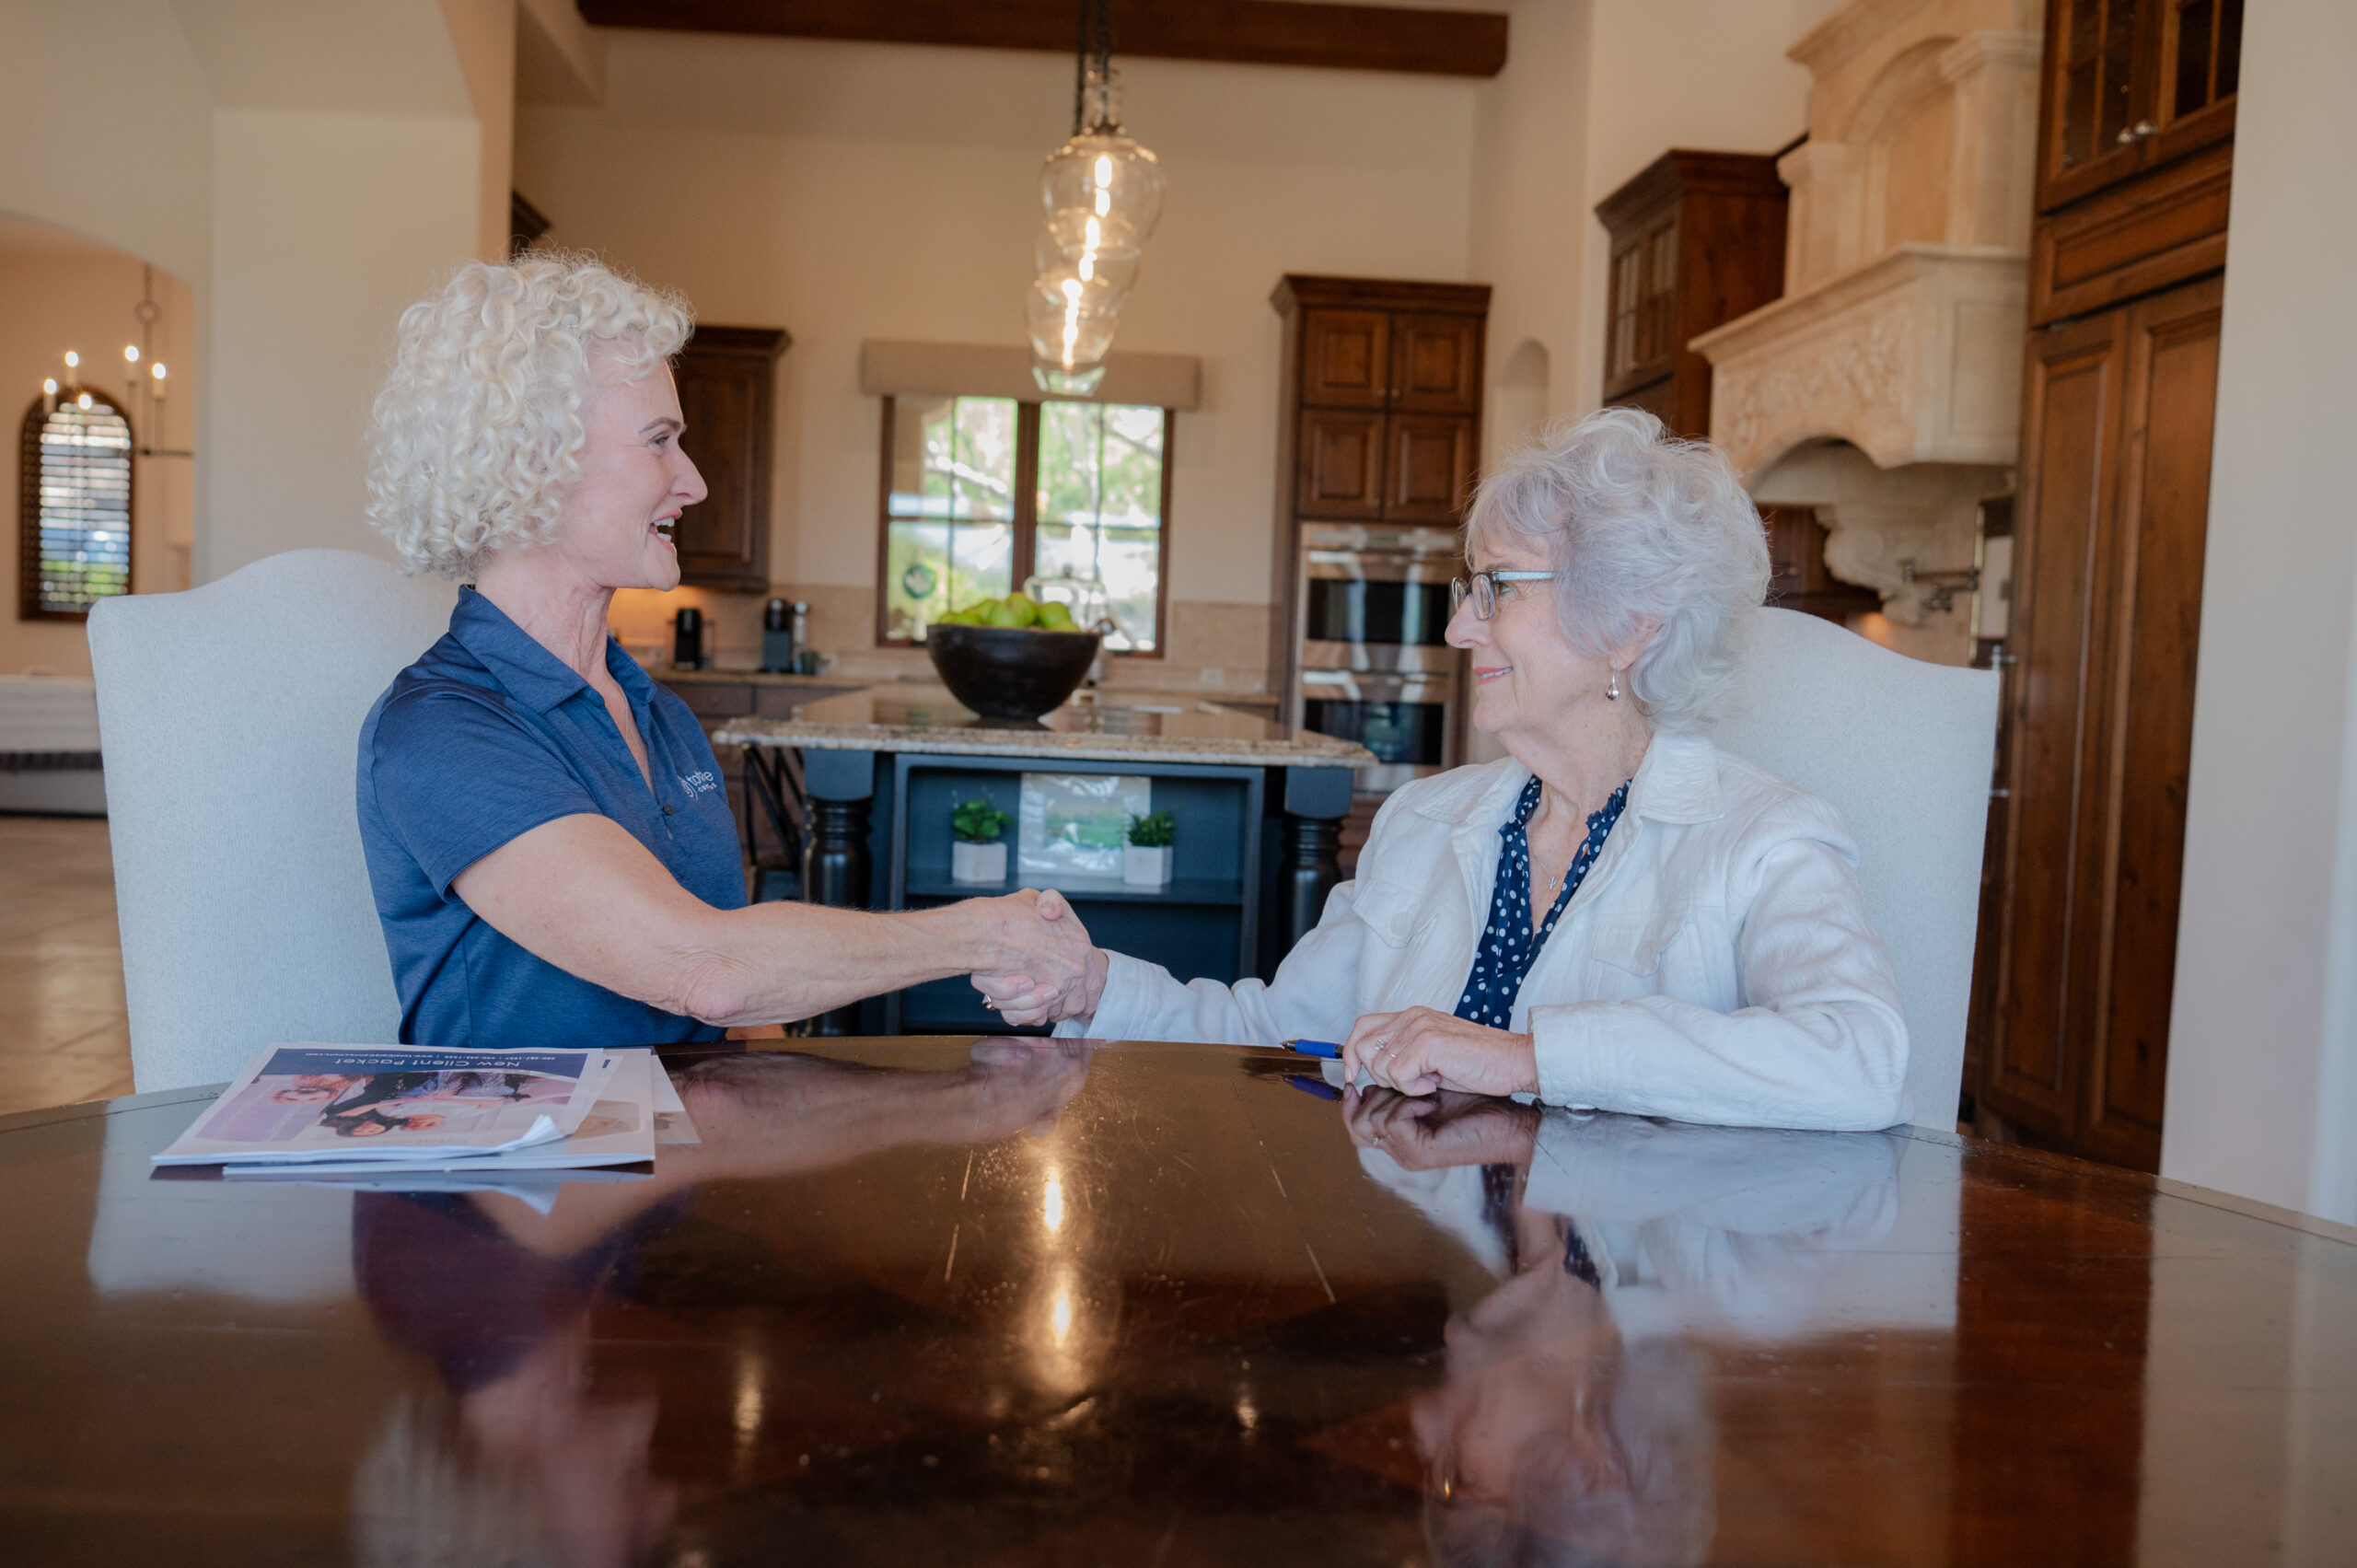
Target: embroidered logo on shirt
{"x":700,"y":782}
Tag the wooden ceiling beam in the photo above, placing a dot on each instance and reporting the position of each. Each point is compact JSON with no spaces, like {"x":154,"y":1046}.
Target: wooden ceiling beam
{"x":1262,"y":33}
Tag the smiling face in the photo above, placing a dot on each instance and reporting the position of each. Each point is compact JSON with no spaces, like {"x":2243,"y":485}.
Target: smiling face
{"x":1528,"y":681}
{"x":615,"y":526}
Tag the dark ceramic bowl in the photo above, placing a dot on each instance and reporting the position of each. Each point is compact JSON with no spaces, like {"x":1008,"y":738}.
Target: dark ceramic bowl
{"x":1004,"y":672}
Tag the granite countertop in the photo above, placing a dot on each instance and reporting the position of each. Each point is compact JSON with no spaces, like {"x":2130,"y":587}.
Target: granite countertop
{"x":1184,"y":695}
{"x":670,"y":676}
{"x":896,"y":718}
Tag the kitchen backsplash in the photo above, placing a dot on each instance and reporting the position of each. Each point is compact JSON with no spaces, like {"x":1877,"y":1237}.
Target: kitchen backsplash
{"x":1213,"y":646}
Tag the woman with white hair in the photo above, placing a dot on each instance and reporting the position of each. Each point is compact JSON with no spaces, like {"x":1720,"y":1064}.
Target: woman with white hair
{"x":1617,"y":915}
{"x":552,"y":855}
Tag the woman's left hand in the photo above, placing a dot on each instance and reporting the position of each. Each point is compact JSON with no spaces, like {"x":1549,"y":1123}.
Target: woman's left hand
{"x":1423,"y":1050}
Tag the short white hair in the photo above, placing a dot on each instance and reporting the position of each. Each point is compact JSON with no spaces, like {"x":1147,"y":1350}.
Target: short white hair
{"x":476,"y":435}
{"x":1644,"y":529}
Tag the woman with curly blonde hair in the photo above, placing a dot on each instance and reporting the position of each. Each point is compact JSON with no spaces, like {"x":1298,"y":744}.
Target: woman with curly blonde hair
{"x":552,"y":855}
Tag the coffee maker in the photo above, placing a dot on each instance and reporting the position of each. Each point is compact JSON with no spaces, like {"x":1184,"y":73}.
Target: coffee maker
{"x":784,"y":628}
{"x":687,"y":639}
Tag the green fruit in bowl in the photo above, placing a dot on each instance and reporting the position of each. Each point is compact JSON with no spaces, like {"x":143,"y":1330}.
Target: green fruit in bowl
{"x":1056,"y":616}
{"x":1013,"y":611}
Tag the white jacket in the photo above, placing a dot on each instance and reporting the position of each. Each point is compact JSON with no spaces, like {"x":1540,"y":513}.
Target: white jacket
{"x":1716,"y":965}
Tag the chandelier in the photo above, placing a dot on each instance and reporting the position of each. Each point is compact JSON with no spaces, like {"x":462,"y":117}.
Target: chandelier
{"x":145,"y":379}
{"x":1102,"y":193}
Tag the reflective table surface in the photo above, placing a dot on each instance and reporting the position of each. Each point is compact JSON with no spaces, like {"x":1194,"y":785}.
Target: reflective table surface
{"x":933,"y":1301}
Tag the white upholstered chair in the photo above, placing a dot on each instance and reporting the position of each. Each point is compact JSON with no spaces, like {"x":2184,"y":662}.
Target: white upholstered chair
{"x":229,"y":721}
{"x":1902,"y":748}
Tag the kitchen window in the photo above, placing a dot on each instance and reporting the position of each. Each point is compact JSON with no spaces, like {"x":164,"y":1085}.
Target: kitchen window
{"x":983,"y":493}
{"x":74,"y":505}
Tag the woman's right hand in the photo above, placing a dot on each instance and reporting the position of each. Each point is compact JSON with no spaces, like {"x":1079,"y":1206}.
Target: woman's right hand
{"x":1026,"y":992}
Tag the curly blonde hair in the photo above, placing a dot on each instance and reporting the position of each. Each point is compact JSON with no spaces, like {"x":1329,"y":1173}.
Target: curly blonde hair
{"x":476,"y":435}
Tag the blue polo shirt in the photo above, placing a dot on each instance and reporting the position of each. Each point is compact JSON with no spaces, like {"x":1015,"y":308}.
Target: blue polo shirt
{"x":485,"y":738}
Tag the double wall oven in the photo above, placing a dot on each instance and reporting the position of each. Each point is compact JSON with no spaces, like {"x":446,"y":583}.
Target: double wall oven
{"x":1374,"y":667}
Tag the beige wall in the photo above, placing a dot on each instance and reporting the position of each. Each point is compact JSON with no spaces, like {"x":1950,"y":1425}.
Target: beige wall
{"x":1593,"y":91}
{"x":327,"y":226}
{"x":105,"y":128}
{"x":2262,"y":1085}
{"x":484,"y":33}
{"x":846,"y":192}
{"x":62,"y":292}
{"x":307,"y":169}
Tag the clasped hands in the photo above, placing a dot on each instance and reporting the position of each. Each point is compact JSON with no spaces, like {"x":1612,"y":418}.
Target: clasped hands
{"x":1043,"y":968}
{"x":1052,"y":971}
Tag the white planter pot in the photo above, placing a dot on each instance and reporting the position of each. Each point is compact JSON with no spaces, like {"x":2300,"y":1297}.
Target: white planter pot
{"x":1146,"y":867}
{"x":977,"y":862}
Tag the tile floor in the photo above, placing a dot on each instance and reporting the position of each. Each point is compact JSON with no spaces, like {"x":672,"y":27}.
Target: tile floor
{"x":63,"y":1036}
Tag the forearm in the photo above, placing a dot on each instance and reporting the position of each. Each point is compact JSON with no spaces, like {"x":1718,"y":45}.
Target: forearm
{"x":1837,"y":1066}
{"x":583,"y":895}
{"x":774,"y":963}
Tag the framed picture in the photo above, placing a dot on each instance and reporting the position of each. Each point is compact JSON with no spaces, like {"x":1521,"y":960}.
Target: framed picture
{"x":1078,"y":824}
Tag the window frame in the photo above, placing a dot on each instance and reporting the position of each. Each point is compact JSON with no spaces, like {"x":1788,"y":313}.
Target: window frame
{"x":29,"y":473}
{"x":1025,"y":523}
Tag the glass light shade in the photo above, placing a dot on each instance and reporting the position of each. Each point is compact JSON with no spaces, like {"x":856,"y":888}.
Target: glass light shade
{"x":1104,"y":177}
{"x":1105,"y":277}
{"x":1101,"y":272}
{"x":1066,"y":332}
{"x":1056,"y":381}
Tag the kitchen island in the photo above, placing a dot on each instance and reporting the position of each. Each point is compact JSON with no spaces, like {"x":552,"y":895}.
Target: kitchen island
{"x":1259,"y":809}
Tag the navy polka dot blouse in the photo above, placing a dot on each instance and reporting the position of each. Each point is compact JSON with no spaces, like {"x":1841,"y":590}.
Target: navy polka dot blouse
{"x":1508,"y":945}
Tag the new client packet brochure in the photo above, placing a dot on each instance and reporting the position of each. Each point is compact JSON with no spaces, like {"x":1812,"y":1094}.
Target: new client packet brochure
{"x":378,"y":1107}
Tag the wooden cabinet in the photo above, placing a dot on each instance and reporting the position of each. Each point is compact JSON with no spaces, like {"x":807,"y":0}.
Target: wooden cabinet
{"x":2132,"y":85}
{"x":2115,"y":483}
{"x":1384,"y":398}
{"x":2070,"y":1041}
{"x":1428,"y":471}
{"x":1346,"y":358}
{"x":1436,"y":364}
{"x":728,"y":379}
{"x":1798,"y":577}
{"x":1696,"y":240}
{"x":1341,"y":472}
{"x":1380,"y":412}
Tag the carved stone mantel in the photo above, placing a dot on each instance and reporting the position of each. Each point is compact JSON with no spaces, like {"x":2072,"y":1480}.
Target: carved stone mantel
{"x":1915,"y":358}
{"x":1884,"y":390}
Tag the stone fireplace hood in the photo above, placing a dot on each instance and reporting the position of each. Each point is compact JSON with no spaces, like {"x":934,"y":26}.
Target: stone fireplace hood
{"x":1887,"y":399}
{"x":1913,"y":358}
{"x":1884,"y":390}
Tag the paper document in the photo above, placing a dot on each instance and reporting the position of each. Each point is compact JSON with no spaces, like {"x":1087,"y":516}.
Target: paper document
{"x":361,"y":1107}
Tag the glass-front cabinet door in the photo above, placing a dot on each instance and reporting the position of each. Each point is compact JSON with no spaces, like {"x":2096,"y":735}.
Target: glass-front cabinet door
{"x":2137,"y":83}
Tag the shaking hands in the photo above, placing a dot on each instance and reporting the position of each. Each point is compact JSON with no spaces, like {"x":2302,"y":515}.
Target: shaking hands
{"x":1045,"y":969}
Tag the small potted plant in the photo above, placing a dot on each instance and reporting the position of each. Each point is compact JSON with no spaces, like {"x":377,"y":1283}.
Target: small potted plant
{"x":979,"y":855}
{"x":1145,"y":861}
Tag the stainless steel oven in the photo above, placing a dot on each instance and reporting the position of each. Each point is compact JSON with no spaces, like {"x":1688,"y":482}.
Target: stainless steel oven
{"x":1375,"y":666}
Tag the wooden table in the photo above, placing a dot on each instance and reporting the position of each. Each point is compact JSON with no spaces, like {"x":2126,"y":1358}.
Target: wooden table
{"x":1152,"y":1305}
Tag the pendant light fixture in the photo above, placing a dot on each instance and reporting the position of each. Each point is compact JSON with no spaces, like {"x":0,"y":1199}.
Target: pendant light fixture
{"x":1102,"y":195}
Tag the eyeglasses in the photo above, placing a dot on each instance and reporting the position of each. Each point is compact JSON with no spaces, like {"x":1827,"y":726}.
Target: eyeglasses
{"x":1483,"y":589}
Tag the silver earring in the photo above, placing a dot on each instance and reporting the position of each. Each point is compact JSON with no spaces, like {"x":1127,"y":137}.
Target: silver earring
{"x":1612,"y":692}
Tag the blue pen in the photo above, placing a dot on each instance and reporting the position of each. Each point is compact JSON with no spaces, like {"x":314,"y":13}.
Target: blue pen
{"x":1315,"y":1048}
